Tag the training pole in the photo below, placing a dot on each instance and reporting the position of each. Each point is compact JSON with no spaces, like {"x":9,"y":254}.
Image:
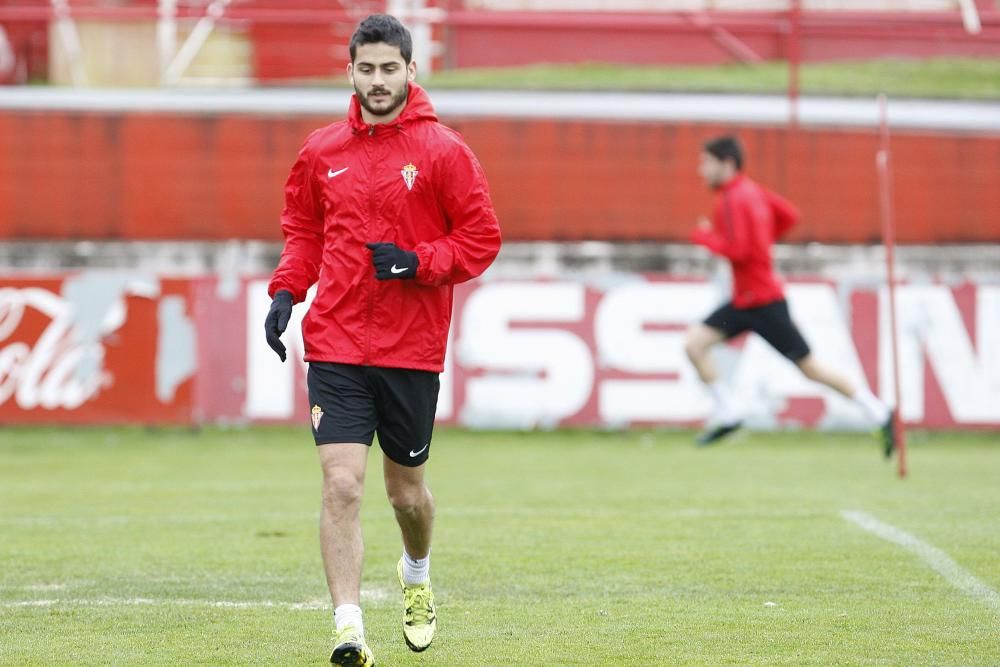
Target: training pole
{"x":794,"y":60}
{"x":884,"y":166}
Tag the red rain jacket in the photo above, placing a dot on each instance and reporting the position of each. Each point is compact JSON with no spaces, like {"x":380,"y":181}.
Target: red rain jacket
{"x":746,"y":221}
{"x":412,"y":182}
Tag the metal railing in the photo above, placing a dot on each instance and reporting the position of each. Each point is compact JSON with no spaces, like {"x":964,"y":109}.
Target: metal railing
{"x":179,"y":30}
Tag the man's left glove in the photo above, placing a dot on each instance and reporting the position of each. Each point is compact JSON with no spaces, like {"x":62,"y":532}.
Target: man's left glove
{"x":391,"y":262}
{"x":277,"y":321}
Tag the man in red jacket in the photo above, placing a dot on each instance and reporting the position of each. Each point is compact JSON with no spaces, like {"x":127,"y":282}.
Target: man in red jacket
{"x":746,"y":221}
{"x":386,"y":210}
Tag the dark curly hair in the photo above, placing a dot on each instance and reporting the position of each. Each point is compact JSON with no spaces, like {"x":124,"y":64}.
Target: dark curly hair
{"x":726,"y":147}
{"x":386,"y":29}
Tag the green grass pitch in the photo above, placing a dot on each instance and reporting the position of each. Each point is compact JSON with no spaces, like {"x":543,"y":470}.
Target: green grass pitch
{"x":127,"y":546}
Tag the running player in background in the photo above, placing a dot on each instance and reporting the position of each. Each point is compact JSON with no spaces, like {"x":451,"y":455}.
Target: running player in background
{"x":746,"y":221}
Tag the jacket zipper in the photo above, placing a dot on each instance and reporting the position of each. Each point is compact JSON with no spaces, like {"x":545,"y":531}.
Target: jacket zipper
{"x":371,"y":218}
{"x":728,"y":217}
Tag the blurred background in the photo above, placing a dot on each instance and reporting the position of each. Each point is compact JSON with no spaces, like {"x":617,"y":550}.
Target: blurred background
{"x":144,"y":145}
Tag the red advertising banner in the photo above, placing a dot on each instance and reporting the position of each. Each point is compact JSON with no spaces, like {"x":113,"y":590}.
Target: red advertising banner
{"x":122,"y":347}
{"x":96,"y":347}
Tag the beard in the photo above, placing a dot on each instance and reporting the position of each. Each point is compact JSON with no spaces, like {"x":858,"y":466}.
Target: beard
{"x":395,"y":101}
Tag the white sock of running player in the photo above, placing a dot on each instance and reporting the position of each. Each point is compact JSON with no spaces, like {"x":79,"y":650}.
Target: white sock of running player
{"x":873,"y":406}
{"x":726,"y":412}
{"x":348,"y":614}
{"x":416,"y":570}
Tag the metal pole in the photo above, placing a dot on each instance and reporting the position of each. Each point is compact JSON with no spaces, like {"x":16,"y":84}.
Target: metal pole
{"x":195,"y":41}
{"x":166,"y":35}
{"x":70,"y":38}
{"x":794,"y":56}
{"x":884,"y":164}
{"x":419,"y":18}
{"x":8,"y":62}
{"x":970,"y":16}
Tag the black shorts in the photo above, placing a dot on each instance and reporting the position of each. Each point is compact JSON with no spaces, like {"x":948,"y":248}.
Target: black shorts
{"x":352,"y":403}
{"x":771,"y":322}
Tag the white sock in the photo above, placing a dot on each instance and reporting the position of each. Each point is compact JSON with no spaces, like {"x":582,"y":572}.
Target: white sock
{"x":726,"y":412}
{"x":876,"y":410}
{"x":416,"y":570}
{"x":348,"y":614}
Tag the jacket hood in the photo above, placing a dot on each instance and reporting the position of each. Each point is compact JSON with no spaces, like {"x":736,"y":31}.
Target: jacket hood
{"x":733,"y":182}
{"x":418,"y":108}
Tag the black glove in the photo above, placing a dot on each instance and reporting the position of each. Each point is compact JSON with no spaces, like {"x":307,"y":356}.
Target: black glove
{"x":392,"y":263}
{"x":277,"y":320}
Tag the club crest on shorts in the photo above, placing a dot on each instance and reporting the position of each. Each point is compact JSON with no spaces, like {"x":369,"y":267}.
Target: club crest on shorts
{"x":409,"y":173}
{"x":317,"y":415}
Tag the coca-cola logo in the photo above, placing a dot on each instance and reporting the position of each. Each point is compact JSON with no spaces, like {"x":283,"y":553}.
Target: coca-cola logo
{"x":62,"y":368}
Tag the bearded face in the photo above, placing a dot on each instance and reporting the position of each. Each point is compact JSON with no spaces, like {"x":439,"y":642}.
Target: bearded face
{"x":381,"y":79}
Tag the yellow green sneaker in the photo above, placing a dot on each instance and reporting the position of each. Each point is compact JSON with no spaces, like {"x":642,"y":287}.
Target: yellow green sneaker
{"x":349,"y":648}
{"x":419,"y":619}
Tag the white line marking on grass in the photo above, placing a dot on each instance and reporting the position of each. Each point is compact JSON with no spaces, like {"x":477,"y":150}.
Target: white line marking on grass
{"x":938,"y":560}
{"x":42,"y":587}
{"x":41,"y":520}
{"x":656,"y":512}
{"x":372,"y":595}
{"x":115,"y":520}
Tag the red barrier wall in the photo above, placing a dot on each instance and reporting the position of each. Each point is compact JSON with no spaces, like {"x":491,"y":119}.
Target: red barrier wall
{"x":90,"y":175}
{"x":28,"y":44}
{"x":485,"y":39}
{"x":307,"y":38}
{"x":573,"y":180}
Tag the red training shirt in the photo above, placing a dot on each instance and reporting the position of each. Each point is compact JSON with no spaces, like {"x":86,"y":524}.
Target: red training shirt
{"x":746,"y":221}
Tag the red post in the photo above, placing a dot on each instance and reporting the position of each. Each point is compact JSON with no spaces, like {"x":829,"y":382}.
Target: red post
{"x":794,"y":58}
{"x":884,"y":165}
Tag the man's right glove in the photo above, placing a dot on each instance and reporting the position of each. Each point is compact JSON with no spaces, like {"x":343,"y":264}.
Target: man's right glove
{"x":392,"y":262}
{"x":277,"y":321}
